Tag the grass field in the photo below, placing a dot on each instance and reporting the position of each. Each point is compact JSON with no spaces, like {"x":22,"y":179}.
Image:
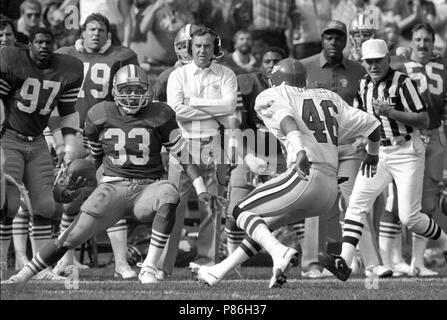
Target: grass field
{"x":99,"y":284}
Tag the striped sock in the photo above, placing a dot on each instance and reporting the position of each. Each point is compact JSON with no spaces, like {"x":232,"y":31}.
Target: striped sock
{"x":235,"y":236}
{"x":67,"y":219}
{"x":161,"y":230}
{"x":250,"y":247}
{"x":20,"y":233}
{"x":387,"y":236}
{"x":433,"y":230}
{"x":256,"y":229}
{"x":298,"y":228}
{"x":352,"y":232}
{"x":118,"y":239}
{"x":5,"y":239}
{"x":41,"y":232}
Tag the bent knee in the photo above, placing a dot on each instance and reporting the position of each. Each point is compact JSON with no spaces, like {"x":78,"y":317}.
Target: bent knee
{"x":45,"y":207}
{"x":168,"y":194}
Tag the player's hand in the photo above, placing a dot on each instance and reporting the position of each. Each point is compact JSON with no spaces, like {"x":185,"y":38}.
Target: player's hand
{"x":205,"y":198}
{"x":369,"y":165}
{"x":186,"y":101}
{"x":76,"y":183}
{"x":360,"y":143}
{"x":68,"y":157}
{"x":403,"y":52}
{"x":60,"y":153}
{"x":381,"y":107}
{"x":302,"y":165}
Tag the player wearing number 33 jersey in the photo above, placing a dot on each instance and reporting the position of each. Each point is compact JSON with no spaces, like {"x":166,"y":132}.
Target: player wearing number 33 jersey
{"x":126,"y":136}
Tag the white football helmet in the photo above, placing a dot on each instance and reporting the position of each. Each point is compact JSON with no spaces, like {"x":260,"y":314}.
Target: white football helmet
{"x":182,"y":42}
{"x":131,"y":88}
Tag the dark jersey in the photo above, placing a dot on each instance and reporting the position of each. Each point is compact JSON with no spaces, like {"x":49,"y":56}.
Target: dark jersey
{"x":431,"y":81}
{"x":161,"y":84}
{"x":130,"y":145}
{"x":99,"y":69}
{"x":30,"y":94}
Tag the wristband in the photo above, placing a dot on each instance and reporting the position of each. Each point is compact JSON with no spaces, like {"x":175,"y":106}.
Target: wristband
{"x":373,"y":147}
{"x":199,"y":185}
{"x":294,"y":141}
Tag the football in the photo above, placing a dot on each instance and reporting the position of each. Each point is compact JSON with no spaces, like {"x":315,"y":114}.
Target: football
{"x":82,"y":168}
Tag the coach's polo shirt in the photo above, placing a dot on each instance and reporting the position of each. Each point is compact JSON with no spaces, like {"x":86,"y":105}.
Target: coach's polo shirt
{"x":342,"y":78}
{"x":211,"y":90}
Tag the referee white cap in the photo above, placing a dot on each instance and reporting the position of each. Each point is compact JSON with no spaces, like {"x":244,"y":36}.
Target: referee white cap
{"x":374,"y":49}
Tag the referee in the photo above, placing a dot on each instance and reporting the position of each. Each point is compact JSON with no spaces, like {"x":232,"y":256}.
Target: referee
{"x":392,"y":97}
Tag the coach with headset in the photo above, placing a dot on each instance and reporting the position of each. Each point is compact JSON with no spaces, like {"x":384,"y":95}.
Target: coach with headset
{"x":203,"y":96}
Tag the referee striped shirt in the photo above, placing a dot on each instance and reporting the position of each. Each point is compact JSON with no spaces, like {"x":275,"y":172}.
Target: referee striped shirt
{"x":399,"y":91}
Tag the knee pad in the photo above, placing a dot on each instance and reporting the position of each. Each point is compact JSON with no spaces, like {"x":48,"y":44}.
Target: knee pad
{"x":168,"y":194}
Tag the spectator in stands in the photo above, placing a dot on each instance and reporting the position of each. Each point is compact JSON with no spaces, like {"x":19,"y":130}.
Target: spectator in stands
{"x":241,"y":60}
{"x":270,"y":18}
{"x":7,"y":32}
{"x":30,"y":18}
{"x":161,"y":22}
{"x":393,"y":38}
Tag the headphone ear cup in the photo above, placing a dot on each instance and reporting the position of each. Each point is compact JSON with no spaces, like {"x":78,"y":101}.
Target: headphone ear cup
{"x":189,"y":47}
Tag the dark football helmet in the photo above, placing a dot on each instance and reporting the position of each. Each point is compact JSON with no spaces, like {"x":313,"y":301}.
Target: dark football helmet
{"x":289,"y":71}
{"x":131,"y":88}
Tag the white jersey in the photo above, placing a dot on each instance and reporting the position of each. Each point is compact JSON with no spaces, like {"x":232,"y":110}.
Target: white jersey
{"x":324,"y":120}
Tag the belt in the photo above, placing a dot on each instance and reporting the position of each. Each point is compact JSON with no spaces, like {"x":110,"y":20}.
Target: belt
{"x":389,"y":142}
{"x":25,"y":137}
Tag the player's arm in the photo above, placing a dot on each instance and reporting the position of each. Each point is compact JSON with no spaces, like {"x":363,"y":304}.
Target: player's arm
{"x":224,"y":106}
{"x":173,"y":141}
{"x":176,"y":100}
{"x":92,"y":130}
{"x":147,"y":22}
{"x":411,"y":99}
{"x":69,"y":117}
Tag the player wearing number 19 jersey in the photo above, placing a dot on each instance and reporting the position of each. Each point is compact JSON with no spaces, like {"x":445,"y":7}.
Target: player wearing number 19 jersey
{"x":126,"y":136}
{"x":310,"y":123}
{"x":34,"y":81}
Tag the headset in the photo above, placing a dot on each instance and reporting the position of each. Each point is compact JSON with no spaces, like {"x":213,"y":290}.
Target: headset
{"x":217,"y":41}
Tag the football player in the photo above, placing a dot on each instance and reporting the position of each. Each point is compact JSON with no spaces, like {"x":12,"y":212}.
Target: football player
{"x":101,"y":60}
{"x":309,"y":123}
{"x":126,"y":137}
{"x":34,"y":82}
{"x":363,"y":27}
{"x":429,"y":72}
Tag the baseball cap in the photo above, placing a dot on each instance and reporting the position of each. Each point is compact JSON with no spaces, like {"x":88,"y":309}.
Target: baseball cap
{"x":374,"y":49}
{"x":335,"y":25}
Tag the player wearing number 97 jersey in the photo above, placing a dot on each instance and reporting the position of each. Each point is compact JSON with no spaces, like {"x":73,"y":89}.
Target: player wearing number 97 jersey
{"x":34,"y":81}
{"x":126,"y":136}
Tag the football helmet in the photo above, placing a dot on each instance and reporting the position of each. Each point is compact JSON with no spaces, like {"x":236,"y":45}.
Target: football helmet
{"x":290,"y":71}
{"x":181,"y":43}
{"x":131,"y":88}
{"x":363,"y":27}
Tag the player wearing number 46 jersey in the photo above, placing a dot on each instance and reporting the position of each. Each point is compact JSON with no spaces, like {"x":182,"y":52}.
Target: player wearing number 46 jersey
{"x":126,"y":136}
{"x":34,"y":82}
{"x":310,"y":123}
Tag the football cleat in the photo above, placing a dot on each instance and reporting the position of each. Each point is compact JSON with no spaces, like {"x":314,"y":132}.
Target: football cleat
{"x":380,"y":271}
{"x":291,"y":258}
{"x":204,"y":274}
{"x":336,"y":265}
{"x":401,"y":267}
{"x":125,"y":273}
{"x":148,"y":275}
{"x":422,"y":272}
{"x":48,"y":275}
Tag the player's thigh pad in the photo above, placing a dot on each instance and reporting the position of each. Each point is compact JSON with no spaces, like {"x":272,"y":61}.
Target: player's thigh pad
{"x":108,"y":198}
{"x":153,"y":197}
{"x":287,"y":198}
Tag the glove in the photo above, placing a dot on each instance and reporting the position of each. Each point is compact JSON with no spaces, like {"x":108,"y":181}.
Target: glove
{"x":369,"y":165}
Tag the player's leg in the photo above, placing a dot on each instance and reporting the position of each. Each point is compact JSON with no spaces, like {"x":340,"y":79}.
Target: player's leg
{"x":239,"y":188}
{"x":105,"y":206}
{"x":181,"y":181}
{"x":157,"y":203}
{"x":434,"y":165}
{"x":408,"y":176}
{"x":13,"y":168}
{"x":363,"y":195}
{"x":20,"y":226}
{"x":281,"y":201}
{"x":118,"y":240}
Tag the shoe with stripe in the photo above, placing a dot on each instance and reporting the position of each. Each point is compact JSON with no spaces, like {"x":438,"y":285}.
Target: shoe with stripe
{"x":203,"y":274}
{"x":291,"y":258}
{"x":48,"y":275}
{"x":335,"y":264}
{"x":147,"y":275}
{"x":380,"y":271}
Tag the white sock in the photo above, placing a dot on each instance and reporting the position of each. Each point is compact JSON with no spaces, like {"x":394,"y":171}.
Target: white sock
{"x":118,"y":239}
{"x":419,"y":244}
{"x":348,"y":252}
